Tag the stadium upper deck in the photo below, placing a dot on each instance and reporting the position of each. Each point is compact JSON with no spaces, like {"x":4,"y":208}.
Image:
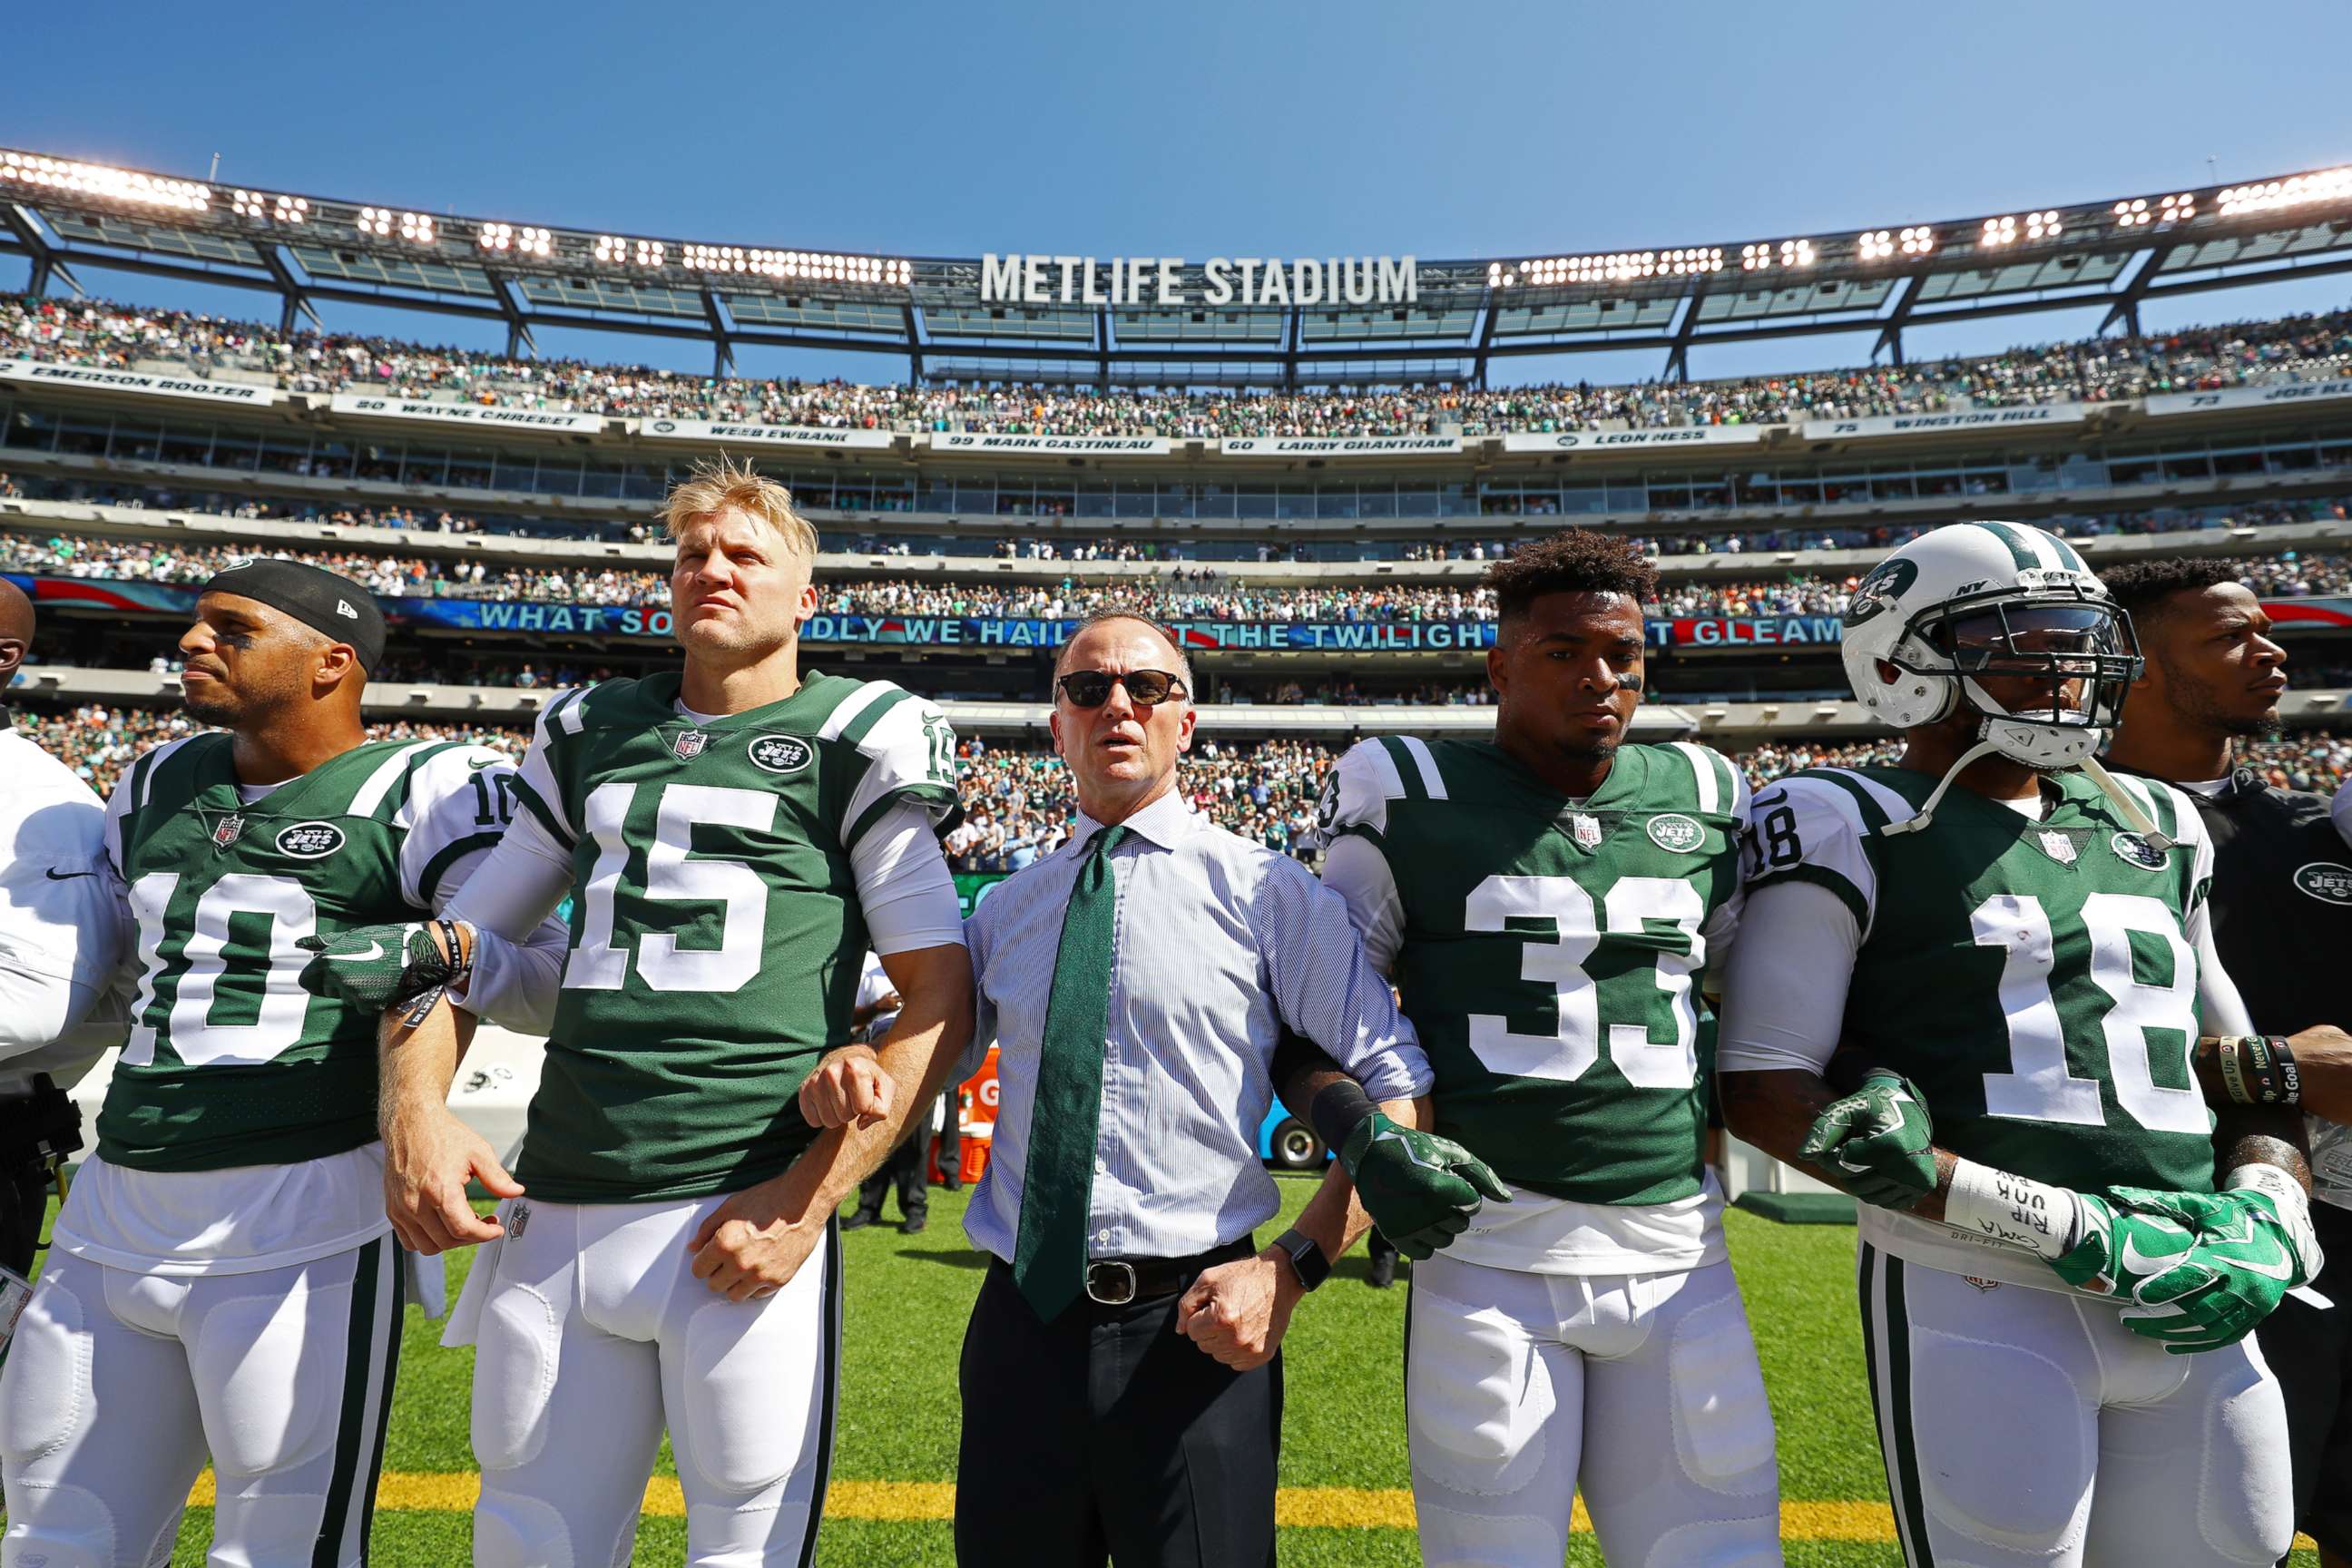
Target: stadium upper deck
{"x":1285,"y":322}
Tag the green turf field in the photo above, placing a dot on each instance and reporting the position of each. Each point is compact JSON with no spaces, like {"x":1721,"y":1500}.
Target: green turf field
{"x":1343,"y":1443}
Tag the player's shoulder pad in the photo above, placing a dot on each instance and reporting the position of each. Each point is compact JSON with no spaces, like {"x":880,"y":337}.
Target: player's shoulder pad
{"x":1822,"y":825}
{"x":1370,"y":775}
{"x":906,"y":748}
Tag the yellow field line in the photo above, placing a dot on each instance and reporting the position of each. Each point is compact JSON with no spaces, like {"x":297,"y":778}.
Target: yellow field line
{"x":1294,"y":1508}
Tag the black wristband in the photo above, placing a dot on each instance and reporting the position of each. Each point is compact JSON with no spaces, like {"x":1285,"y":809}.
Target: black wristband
{"x":1340,"y":1108}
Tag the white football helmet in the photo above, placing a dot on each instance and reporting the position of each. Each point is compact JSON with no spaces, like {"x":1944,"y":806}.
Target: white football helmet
{"x":1999,"y":600}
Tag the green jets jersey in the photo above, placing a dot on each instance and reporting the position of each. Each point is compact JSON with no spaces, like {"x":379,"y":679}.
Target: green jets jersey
{"x":716,"y":934}
{"x":2038,"y":980}
{"x":1546,"y":949}
{"x":229,"y":1061}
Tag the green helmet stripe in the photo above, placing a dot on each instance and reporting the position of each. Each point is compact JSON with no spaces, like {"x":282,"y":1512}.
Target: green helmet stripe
{"x":2020,"y":549}
{"x":2070,"y":555}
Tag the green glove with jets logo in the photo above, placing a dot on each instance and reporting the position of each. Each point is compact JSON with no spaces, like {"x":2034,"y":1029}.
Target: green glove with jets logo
{"x":1420,"y":1189}
{"x":1877,"y":1142}
{"x":375,"y":968}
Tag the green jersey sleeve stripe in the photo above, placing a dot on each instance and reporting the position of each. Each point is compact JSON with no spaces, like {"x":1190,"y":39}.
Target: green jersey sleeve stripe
{"x":921,"y":794}
{"x":845,"y":712}
{"x":570,"y":711}
{"x":1822,"y":876}
{"x":395,"y":799}
{"x":547,"y":818}
{"x":1408,"y":770}
{"x":857,"y":729}
{"x":371,"y":795}
{"x":429,"y":881}
{"x":1433,"y":778}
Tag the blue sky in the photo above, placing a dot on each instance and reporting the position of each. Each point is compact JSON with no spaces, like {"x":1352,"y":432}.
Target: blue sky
{"x":1199,"y":130}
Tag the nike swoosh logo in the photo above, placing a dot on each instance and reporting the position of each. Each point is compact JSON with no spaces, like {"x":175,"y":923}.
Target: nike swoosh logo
{"x":58,"y":876}
{"x":1393,"y":1136}
{"x":479,"y":764}
{"x":2135,"y":1262}
{"x":374,"y":950}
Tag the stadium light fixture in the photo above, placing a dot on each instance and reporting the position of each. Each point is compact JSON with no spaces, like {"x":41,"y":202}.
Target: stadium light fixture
{"x":1763,"y":257}
{"x":106,"y":182}
{"x":2002,"y":231}
{"x":2138,"y":213}
{"x":1878,"y":243}
{"x":801,"y":266}
{"x":1555,"y":272}
{"x":2329,"y":185}
{"x":523,"y":241}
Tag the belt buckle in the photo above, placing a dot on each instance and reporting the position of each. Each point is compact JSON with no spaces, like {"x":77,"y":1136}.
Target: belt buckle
{"x":1120,"y":1292}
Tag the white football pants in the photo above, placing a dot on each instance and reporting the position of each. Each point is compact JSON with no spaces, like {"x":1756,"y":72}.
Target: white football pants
{"x":1642,"y":1389}
{"x":118,"y":1384}
{"x":594,"y":1334}
{"x":2024,"y":1427}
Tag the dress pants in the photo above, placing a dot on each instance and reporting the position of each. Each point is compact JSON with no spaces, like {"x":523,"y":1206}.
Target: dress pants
{"x":1105,"y":1435}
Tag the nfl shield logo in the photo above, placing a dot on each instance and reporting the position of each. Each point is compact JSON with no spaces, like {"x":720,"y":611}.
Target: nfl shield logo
{"x":2060,"y":848}
{"x":227,"y":831}
{"x":690,"y":745}
{"x":1587,"y":830}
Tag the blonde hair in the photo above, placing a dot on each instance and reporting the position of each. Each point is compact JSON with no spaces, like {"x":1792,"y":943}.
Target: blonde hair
{"x":716,"y":486}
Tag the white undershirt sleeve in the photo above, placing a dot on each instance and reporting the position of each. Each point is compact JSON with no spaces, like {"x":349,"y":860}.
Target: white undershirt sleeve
{"x":904,"y":887}
{"x":1784,"y":989}
{"x":1354,"y":867}
{"x":2220,"y":1009}
{"x":510,"y":897}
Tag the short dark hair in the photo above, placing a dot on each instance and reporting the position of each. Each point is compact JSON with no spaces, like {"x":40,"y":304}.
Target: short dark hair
{"x":1573,"y":561}
{"x":1183,"y":660}
{"x":2141,"y":588}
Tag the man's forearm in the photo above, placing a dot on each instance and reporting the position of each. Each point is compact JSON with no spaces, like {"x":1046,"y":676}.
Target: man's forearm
{"x":1334,"y":1218}
{"x":1774,"y":1111}
{"x":918,"y":1053}
{"x":2261,"y":1135}
{"x":416,"y":1066}
{"x":2323,"y":1070}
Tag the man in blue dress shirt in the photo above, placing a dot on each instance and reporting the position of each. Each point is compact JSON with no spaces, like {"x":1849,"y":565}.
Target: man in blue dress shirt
{"x":1122,"y":1393}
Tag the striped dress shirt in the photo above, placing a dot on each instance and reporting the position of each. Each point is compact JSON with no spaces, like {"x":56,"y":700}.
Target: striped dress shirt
{"x":1218,"y":943}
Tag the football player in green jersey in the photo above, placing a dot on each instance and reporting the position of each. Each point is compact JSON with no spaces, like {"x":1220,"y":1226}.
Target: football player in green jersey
{"x":1546,"y":904}
{"x":732,"y":840}
{"x":2012,"y":946}
{"x":222,"y":1280}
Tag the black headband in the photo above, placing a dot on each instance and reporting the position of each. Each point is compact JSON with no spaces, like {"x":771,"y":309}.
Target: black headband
{"x":334,"y":606}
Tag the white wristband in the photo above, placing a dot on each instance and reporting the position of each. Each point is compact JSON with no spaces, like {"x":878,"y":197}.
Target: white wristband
{"x":2011,"y":1210}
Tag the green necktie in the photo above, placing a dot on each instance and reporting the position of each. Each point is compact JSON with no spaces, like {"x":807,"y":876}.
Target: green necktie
{"x":1057,"y":1184}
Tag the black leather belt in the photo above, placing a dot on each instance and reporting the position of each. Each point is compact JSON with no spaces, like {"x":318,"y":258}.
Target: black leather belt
{"x":1117,"y":1281}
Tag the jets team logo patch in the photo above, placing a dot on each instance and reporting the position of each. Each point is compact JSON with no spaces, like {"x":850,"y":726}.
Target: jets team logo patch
{"x":1674,"y":832}
{"x":310,"y":841}
{"x":689,"y":745}
{"x":2325,"y":880}
{"x":2131,"y":846}
{"x":781,"y":753}
{"x":228,"y":830}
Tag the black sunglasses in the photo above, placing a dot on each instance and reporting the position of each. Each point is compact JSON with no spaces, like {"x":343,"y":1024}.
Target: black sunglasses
{"x":1145,"y":687}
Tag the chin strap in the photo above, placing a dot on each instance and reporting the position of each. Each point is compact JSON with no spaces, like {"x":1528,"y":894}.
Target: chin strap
{"x":1927,"y":812}
{"x":2127,"y":806}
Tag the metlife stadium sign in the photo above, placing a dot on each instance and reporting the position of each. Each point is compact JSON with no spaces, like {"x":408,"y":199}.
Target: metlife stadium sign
{"x":1222,"y":282}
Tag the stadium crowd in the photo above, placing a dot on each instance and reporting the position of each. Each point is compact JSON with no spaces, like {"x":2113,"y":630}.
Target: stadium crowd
{"x":1018,"y":803}
{"x":1183,"y":594}
{"x":97,"y":332}
{"x":2246,"y":513}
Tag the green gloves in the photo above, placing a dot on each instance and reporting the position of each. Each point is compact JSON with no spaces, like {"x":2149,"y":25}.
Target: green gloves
{"x":2200,"y":1269}
{"x":376,"y":967}
{"x":1419,"y":1188}
{"x":1876,"y":1141}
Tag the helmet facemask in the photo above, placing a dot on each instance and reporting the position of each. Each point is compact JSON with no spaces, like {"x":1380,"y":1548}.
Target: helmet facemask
{"x":2065,"y":656}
